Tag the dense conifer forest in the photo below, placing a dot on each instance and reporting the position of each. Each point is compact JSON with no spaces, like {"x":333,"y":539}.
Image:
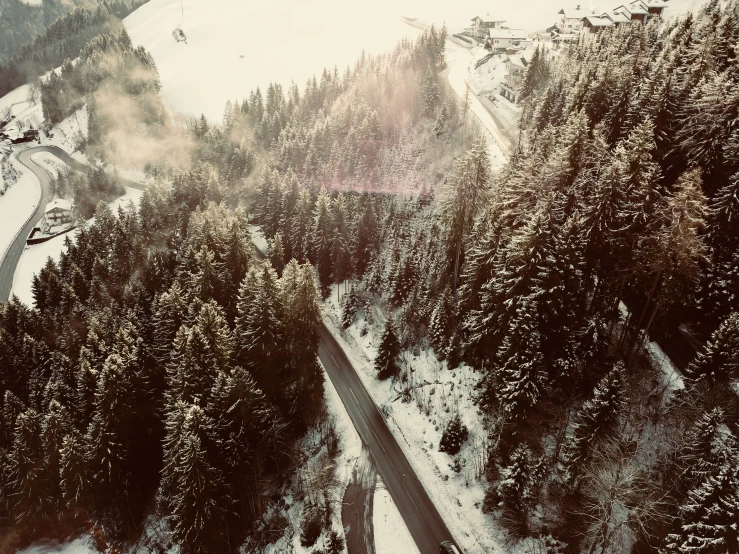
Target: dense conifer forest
{"x":164,"y":371}
{"x":37,"y":39}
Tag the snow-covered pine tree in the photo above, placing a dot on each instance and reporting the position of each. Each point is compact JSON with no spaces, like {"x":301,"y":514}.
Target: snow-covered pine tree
{"x":322,"y":234}
{"x":302,"y":383}
{"x":29,"y":480}
{"x":454,"y":436}
{"x":74,"y":476}
{"x":169,"y":308}
{"x":516,"y":490}
{"x":461,"y":202}
{"x":708,"y":518}
{"x":595,"y":421}
{"x":277,"y":254}
{"x":520,"y":369}
{"x":200,"y":500}
{"x":718,"y":361}
{"x":429,"y":93}
{"x":386,"y":361}
{"x":706,"y":447}
{"x":259,"y":325}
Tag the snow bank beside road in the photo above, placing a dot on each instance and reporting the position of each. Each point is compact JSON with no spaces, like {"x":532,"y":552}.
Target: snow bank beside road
{"x":391,"y":534}
{"x":417,"y":426}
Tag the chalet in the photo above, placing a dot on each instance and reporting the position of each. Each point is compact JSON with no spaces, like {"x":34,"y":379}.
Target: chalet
{"x":511,"y":85}
{"x":558,"y":39}
{"x":617,"y":18}
{"x":59,"y":211}
{"x":502,"y":39}
{"x":572,"y":18}
{"x":656,"y":8}
{"x":481,"y":26}
{"x":595,"y":23}
{"x":577,"y":19}
{"x":635,"y":11}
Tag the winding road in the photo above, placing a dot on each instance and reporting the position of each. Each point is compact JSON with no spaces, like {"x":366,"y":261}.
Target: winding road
{"x":12,"y":256}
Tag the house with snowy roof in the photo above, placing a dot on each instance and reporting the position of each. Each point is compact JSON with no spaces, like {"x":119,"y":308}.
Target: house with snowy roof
{"x":503,"y":39}
{"x":59,"y":211}
{"x":571,"y":20}
{"x":586,"y":19}
{"x":481,"y":26}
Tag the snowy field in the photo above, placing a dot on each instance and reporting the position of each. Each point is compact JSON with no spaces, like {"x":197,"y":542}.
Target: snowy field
{"x":417,"y":426}
{"x":234,"y":46}
{"x":34,"y":257}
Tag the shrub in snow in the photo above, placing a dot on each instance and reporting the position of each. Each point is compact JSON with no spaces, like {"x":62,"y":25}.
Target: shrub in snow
{"x":311,"y":526}
{"x":335,"y":543}
{"x":453,"y":437}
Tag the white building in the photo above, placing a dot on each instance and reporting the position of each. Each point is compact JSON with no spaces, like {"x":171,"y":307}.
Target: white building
{"x":59,"y":211}
{"x":481,"y":26}
{"x":571,"y":18}
{"x":502,"y":39}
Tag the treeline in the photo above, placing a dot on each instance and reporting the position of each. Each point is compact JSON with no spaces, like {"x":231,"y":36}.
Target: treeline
{"x":63,"y":36}
{"x":107,"y":61}
{"x":21,"y":22}
{"x":147,"y":375}
{"x":357,"y":130}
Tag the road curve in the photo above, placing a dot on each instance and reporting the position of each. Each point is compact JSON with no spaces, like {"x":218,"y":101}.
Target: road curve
{"x":14,"y":251}
{"x":12,"y":256}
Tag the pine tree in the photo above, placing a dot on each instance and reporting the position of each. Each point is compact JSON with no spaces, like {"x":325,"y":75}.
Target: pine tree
{"x":303,"y":379}
{"x":259,"y":327}
{"x":277,"y":254}
{"x":322,"y":233}
{"x":32,"y":500}
{"x":429,"y":93}
{"x":74,"y":476}
{"x":454,"y":436}
{"x":386,"y":361}
{"x":520,"y":369}
{"x":199,"y":499}
{"x":463,"y":197}
{"x":595,"y":421}
{"x":708,"y":519}
{"x":516,"y":489}
{"x":719,"y":359}
{"x":704,"y":450}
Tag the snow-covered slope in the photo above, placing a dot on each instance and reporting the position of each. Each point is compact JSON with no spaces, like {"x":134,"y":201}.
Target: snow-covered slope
{"x":234,"y":46}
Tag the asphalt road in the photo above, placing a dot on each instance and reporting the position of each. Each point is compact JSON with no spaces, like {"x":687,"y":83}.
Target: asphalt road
{"x":420,"y":515}
{"x":13,"y":255}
